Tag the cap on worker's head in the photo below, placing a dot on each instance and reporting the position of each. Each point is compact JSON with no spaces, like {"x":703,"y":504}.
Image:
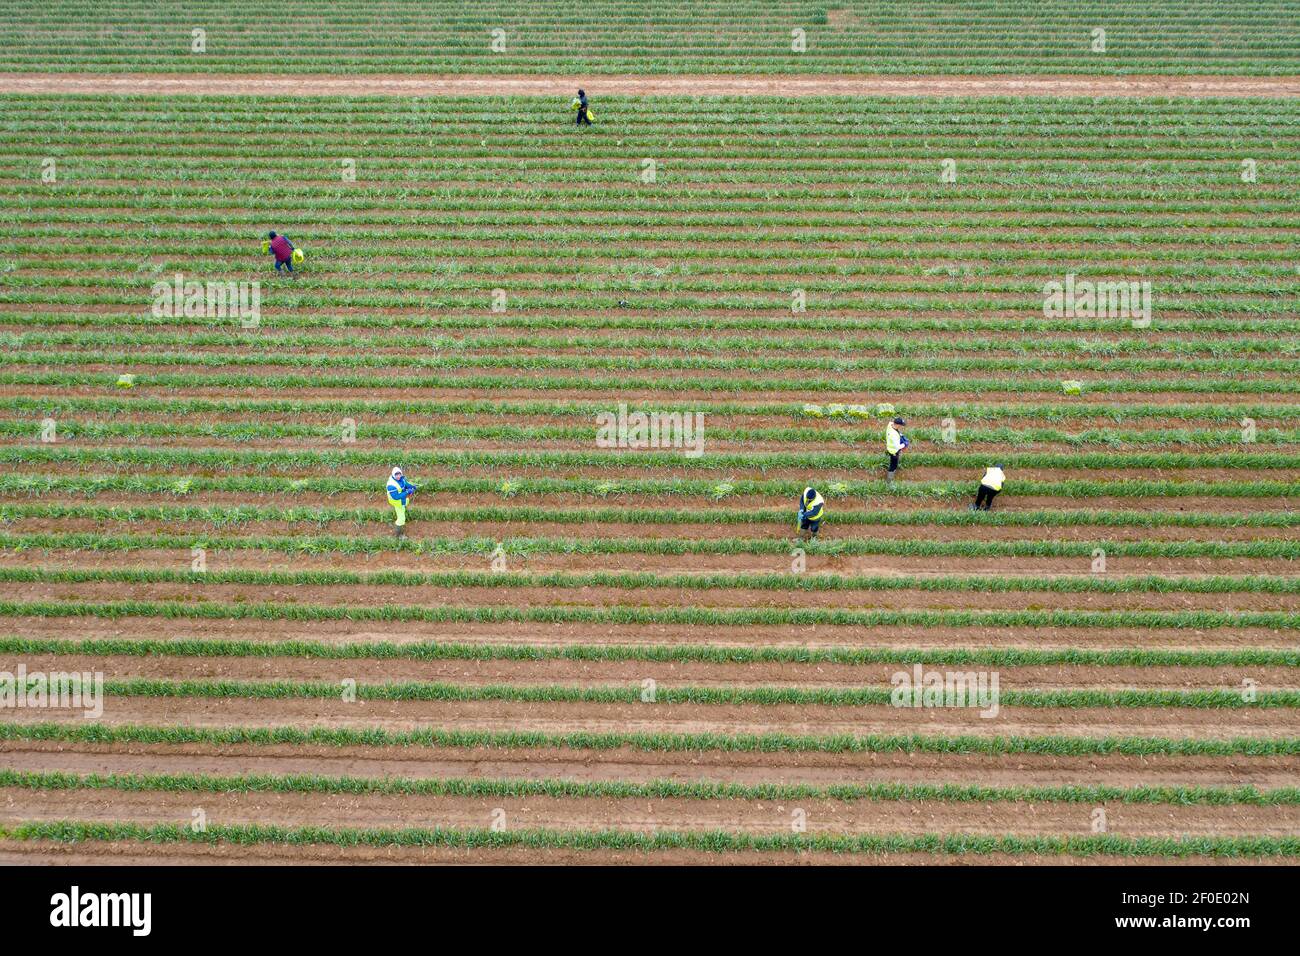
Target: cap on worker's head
{"x":998,"y":466}
{"x":899,"y":421}
{"x":810,"y":492}
{"x":580,"y":93}
{"x":271,"y":234}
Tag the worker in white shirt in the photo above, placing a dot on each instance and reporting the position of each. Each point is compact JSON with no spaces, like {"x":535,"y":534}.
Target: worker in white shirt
{"x":895,"y":444}
{"x":990,"y":485}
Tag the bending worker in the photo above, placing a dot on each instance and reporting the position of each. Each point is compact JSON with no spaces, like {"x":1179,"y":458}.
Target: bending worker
{"x":812,"y":509}
{"x":990,"y":485}
{"x":399,"y":492}
{"x":895,"y":443}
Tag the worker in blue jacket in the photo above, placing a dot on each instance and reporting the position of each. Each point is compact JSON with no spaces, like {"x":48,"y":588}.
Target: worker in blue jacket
{"x":399,"y":493}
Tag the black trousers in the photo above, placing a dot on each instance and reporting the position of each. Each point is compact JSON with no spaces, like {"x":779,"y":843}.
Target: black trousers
{"x":582,"y":116}
{"x":984,"y":497}
{"x":893,"y":461}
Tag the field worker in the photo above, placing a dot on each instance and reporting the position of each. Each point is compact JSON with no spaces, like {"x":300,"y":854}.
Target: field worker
{"x":583,"y":118}
{"x":990,"y":485}
{"x":399,"y":491}
{"x":811,"y":511}
{"x":282,"y":249}
{"x":895,"y":443}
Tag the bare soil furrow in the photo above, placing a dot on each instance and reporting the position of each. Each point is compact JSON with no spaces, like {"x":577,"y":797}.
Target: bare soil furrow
{"x":903,"y":637}
{"x":662,"y":718}
{"x":252,"y":559}
{"x":644,"y":815}
{"x":570,"y":673}
{"x":641,"y":766}
{"x":596,"y":597}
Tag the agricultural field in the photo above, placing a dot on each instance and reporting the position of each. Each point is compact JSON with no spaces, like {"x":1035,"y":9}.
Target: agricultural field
{"x":583,"y":653}
{"x":1202,"y":37}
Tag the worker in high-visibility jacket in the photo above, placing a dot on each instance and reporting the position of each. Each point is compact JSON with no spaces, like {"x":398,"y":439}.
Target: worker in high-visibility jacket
{"x":399,"y":492}
{"x":895,"y":444}
{"x":990,"y":485}
{"x":812,"y":509}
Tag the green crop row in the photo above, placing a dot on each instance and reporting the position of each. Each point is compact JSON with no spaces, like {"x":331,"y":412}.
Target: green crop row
{"x":658,"y":789}
{"x":328,"y":209}
{"x":187,"y":119}
{"x":75,"y":213}
{"x":671,"y":653}
{"x":1142,"y":245}
{"x":484,"y":548}
{"x":661,"y":840}
{"x":74,"y":429}
{"x":1061,"y":746}
{"x":59,"y":406}
{"x":654,"y":363}
{"x":234,"y":516}
{"x":300,"y":460}
{"x":815,"y":320}
{"x":680,"y":616}
{"x":504,"y":343}
{"x":691,"y":581}
{"x":617,"y":385}
{"x":632,"y":694}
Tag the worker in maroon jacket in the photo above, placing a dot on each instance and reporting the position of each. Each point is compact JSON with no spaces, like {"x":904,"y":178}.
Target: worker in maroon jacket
{"x":282,"y":249}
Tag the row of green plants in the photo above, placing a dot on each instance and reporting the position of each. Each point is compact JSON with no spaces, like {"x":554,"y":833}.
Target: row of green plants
{"x":1286,"y":549}
{"x":300,"y":460}
{"x":170,"y":429}
{"x":533,"y":380}
{"x":687,"y":581}
{"x":1137,"y":247}
{"x":694,"y":187}
{"x":272,"y":340}
{"x":643,"y":615}
{"x":653,"y":790}
{"x":1104,"y":845}
{"x":228,"y":516}
{"x":431,"y":411}
{"x":780,"y":548}
{"x":719,"y":696}
{"x":650,"y":653}
{"x":994,"y":745}
{"x":879,"y":364}
{"x":1008,"y":117}
{"x":843,"y":220}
